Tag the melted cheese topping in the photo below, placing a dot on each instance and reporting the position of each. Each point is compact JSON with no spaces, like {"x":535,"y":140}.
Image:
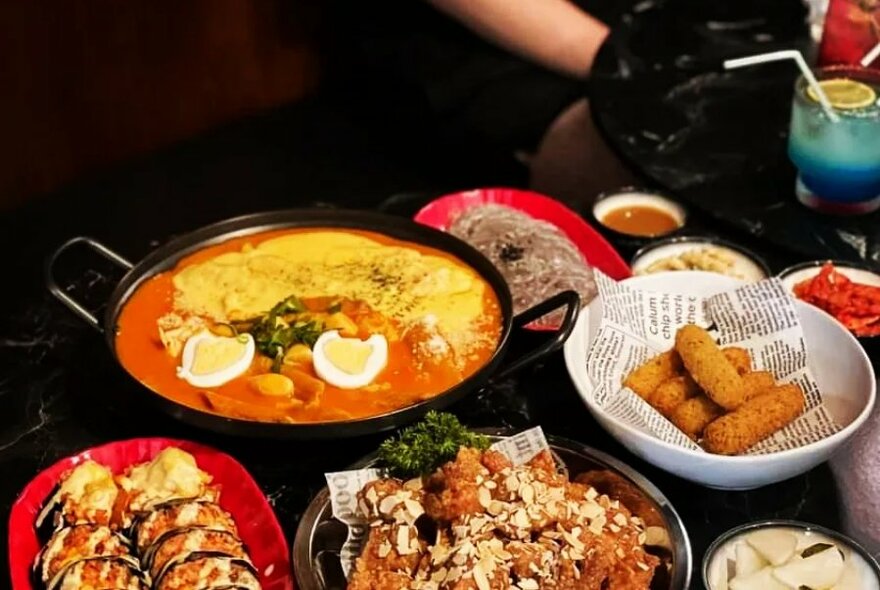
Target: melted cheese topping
{"x":172,"y":474}
{"x":396,"y":281}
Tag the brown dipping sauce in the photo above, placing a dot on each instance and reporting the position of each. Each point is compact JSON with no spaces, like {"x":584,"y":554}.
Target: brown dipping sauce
{"x":640,"y":220}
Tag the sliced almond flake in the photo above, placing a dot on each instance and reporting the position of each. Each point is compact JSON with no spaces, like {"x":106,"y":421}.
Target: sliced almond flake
{"x":577,"y":572}
{"x":642,"y":538}
{"x":484,"y":496}
{"x":414,"y":508}
{"x":642,"y":566}
{"x":386,"y":506}
{"x":574,"y":541}
{"x":615,"y":504}
{"x":527,"y":493}
{"x":534,"y":567}
{"x":528,"y":584}
{"x":590,"y":510}
{"x":403,"y":546}
{"x":455,"y":573}
{"x":479,"y":479}
{"x":439,"y":554}
{"x":521,"y":519}
{"x":596,"y":525}
{"x":620,"y":519}
{"x":414,"y":484}
{"x":495,"y":507}
{"x":614,"y":528}
{"x":372,"y":495}
{"x":576,"y":531}
{"x":576,"y":555}
{"x":384,"y":550}
{"x":439,"y":575}
{"x":491,"y":484}
{"x":477,"y":523}
{"x":362,"y":506}
{"x":459,"y":558}
{"x":620,"y":552}
{"x":512,"y":483}
{"x":480,"y":578}
{"x":591,"y":494}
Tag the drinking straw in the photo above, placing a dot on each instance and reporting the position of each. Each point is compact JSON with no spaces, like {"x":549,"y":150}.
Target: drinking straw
{"x":871,"y":56}
{"x":801,"y":63}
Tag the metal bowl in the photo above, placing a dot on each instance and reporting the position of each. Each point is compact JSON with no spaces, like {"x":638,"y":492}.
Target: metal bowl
{"x":790,"y":524}
{"x":320,"y":536}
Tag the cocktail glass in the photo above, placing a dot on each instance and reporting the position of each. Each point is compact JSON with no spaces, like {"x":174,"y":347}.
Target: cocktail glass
{"x":838,"y":162}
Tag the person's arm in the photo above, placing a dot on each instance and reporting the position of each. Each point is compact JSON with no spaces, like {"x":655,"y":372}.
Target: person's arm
{"x":553,"y":33}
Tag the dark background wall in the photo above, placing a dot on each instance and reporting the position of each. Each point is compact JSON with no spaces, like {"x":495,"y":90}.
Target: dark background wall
{"x":85,"y":83}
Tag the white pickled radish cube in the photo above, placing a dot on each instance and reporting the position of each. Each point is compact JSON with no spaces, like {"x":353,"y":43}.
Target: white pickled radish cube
{"x":818,"y":571}
{"x":748,"y":561}
{"x":851,"y":578}
{"x":775,"y":545}
{"x":760,"y":580}
{"x":719,"y":574}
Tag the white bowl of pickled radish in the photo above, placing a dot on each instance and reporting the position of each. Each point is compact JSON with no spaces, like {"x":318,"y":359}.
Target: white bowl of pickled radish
{"x":788,"y":555}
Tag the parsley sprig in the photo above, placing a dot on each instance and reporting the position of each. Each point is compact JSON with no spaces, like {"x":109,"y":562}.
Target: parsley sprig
{"x":423,"y":447}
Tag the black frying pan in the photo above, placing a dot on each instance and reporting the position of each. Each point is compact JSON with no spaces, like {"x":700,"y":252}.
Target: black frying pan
{"x":167,"y":256}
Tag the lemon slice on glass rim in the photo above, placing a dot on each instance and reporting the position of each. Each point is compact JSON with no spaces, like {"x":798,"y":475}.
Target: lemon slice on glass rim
{"x":845,"y":94}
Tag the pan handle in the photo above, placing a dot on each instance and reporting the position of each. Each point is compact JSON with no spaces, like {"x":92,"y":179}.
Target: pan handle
{"x":571,"y":301}
{"x":58,"y":292}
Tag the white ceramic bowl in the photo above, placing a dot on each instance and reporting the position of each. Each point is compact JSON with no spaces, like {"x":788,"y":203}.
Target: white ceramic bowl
{"x":837,"y":360}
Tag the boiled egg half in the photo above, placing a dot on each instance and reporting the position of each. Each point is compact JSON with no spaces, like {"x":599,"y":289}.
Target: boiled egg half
{"x":211,"y":361}
{"x":349,"y":363}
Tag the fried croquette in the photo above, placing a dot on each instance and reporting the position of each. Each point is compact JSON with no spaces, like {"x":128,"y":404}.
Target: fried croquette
{"x":757,"y":382}
{"x":673,"y":392}
{"x":709,"y":367}
{"x":755,"y":420}
{"x":693,"y":415}
{"x":739,"y":358}
{"x":645,"y":378}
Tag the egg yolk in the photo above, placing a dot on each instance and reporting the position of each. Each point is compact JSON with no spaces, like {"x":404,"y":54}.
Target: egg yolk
{"x":348,"y":355}
{"x":213,"y":354}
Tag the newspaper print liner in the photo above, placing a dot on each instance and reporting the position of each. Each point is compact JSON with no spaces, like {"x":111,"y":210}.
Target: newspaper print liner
{"x":760,"y":317}
{"x":344,"y":486}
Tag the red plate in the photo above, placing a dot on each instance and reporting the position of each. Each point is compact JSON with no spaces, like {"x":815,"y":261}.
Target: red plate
{"x":239,"y":494}
{"x":440,"y":212}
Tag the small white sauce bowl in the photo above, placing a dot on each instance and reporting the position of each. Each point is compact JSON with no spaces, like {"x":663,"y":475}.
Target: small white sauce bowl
{"x":636,"y":197}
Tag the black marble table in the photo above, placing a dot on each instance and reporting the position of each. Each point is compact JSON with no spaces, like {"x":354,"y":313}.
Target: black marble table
{"x":717,"y":139}
{"x":61,"y":392}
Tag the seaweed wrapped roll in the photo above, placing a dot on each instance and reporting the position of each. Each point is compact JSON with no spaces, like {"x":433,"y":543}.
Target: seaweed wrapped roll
{"x":77,"y":543}
{"x":174,"y":516}
{"x":209,"y":572}
{"x":87,"y":494}
{"x":100,"y":573}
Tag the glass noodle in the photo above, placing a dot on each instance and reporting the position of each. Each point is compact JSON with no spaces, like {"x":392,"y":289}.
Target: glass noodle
{"x":536,"y":259}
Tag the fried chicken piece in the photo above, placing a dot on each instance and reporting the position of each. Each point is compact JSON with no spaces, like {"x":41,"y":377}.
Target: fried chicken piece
{"x":452,"y":489}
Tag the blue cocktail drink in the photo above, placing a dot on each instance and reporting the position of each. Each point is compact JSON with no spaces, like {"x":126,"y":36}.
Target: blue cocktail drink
{"x":838,"y":161}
